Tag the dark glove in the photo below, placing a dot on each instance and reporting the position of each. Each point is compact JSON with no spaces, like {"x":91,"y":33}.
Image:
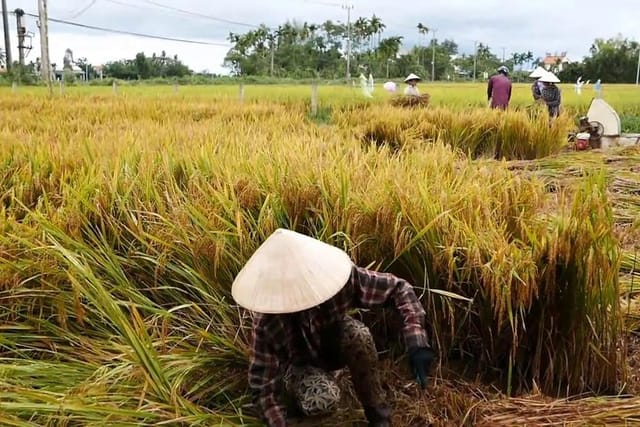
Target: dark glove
{"x":421,"y":359}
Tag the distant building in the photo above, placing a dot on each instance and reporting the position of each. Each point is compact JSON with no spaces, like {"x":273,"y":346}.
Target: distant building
{"x":555,"y":63}
{"x":99,"y":69}
{"x":75,"y":70}
{"x":457,"y":69}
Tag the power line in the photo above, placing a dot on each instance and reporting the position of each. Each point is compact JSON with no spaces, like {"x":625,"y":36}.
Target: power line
{"x":323,"y":3}
{"x":200,"y":15}
{"x":84,"y":9}
{"x":130,"y":33}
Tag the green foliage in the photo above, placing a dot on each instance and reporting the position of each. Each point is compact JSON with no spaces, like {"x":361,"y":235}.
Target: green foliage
{"x":142,"y":67}
{"x":630,"y":123}
{"x":69,"y":77}
{"x":312,"y":50}
{"x":22,"y":74}
{"x":613,"y":60}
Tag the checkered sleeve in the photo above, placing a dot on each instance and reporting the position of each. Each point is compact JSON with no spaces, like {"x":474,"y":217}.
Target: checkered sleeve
{"x":263,"y":377}
{"x":374,"y":289}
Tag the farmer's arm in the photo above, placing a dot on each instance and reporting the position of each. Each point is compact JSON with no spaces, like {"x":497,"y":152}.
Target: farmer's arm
{"x":490,"y":88}
{"x":374,"y":289}
{"x":263,"y":377}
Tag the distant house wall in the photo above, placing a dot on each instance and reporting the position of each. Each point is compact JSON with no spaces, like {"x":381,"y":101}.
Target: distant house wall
{"x":555,"y":63}
{"x":59,"y":74}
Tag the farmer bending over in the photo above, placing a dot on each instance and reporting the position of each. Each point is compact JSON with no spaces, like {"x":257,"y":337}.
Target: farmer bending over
{"x":301,"y":291}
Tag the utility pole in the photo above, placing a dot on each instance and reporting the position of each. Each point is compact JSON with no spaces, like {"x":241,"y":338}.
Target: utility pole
{"x":45,"y":64}
{"x":7,"y":39}
{"x":348,"y":7}
{"x":433,"y":55}
{"x":475,"y":60}
{"x":22,"y":31}
{"x":272,"y":40}
{"x":503,"y":54}
{"x":638,"y":70}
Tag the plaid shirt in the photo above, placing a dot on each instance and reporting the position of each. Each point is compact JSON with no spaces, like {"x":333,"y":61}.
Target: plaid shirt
{"x":280,"y":341}
{"x":551,"y":95}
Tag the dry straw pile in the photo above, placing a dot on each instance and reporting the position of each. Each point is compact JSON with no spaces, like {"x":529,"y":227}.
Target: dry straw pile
{"x":124,"y":221}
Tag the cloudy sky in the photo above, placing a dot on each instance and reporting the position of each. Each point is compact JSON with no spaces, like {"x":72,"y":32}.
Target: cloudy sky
{"x":512,"y":25}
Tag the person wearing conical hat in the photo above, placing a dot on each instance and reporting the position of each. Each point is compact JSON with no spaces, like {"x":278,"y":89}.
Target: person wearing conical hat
{"x":536,"y":86}
{"x":550,"y":93}
{"x":412,"y":88}
{"x":301,"y":292}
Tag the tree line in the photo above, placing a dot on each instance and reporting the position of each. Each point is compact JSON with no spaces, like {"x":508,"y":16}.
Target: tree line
{"x":143,"y":67}
{"x":308,"y":50}
{"x":614,"y":60}
{"x":304,"y":50}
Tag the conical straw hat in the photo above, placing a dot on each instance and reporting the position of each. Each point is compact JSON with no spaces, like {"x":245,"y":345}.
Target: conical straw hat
{"x":549,"y":77}
{"x":412,"y":77}
{"x":291,"y":272}
{"x":537,"y":73}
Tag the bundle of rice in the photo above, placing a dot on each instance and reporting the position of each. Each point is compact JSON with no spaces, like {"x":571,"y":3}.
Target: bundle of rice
{"x":411,"y":101}
{"x":578,"y":412}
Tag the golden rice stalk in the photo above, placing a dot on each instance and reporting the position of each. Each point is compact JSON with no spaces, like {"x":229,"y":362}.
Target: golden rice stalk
{"x":411,"y":101}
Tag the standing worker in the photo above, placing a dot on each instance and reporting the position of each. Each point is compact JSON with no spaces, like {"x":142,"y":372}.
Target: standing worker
{"x":550,"y":93}
{"x":301,"y":291}
{"x":412,"y":88}
{"x":499,"y":89}
{"x":536,"y":87}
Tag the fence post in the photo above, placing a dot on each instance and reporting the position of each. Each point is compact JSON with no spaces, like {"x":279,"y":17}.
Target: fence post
{"x":61,"y":87}
{"x":115,"y":87}
{"x":314,"y":98}
{"x":241,"y":93}
{"x":14,"y":87}
{"x":175,"y":88}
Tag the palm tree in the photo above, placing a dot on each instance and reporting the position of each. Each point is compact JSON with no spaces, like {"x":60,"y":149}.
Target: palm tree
{"x":361,"y":30}
{"x":381,"y":28}
{"x":423,"y":30}
{"x":529,"y":57}
{"x":2,"y":58}
{"x":313,"y":28}
{"x":376,"y":26}
{"x":389,"y":48}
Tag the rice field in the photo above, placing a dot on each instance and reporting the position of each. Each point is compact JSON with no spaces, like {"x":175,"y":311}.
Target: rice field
{"x":126,"y":216}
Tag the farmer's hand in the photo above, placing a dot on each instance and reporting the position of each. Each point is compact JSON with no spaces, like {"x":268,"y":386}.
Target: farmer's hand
{"x":421,"y":359}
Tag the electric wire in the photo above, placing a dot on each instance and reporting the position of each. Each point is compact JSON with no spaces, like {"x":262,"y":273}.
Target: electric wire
{"x":130,"y":33}
{"x":83,"y":10}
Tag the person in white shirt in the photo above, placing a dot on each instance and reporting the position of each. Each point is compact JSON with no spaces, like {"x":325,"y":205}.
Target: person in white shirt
{"x":412,"y":90}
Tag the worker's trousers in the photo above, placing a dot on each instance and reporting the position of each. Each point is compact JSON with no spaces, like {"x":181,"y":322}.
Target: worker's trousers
{"x":315,"y":391}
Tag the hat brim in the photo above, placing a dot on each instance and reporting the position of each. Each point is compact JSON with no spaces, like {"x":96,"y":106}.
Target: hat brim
{"x":291,"y":272}
{"x":547,"y":79}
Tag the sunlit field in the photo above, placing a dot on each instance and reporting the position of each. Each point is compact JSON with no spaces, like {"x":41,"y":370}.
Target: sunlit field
{"x":625,"y":98}
{"x":125,"y":217}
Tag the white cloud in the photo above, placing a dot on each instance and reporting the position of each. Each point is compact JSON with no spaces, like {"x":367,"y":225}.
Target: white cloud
{"x":545,"y":25}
